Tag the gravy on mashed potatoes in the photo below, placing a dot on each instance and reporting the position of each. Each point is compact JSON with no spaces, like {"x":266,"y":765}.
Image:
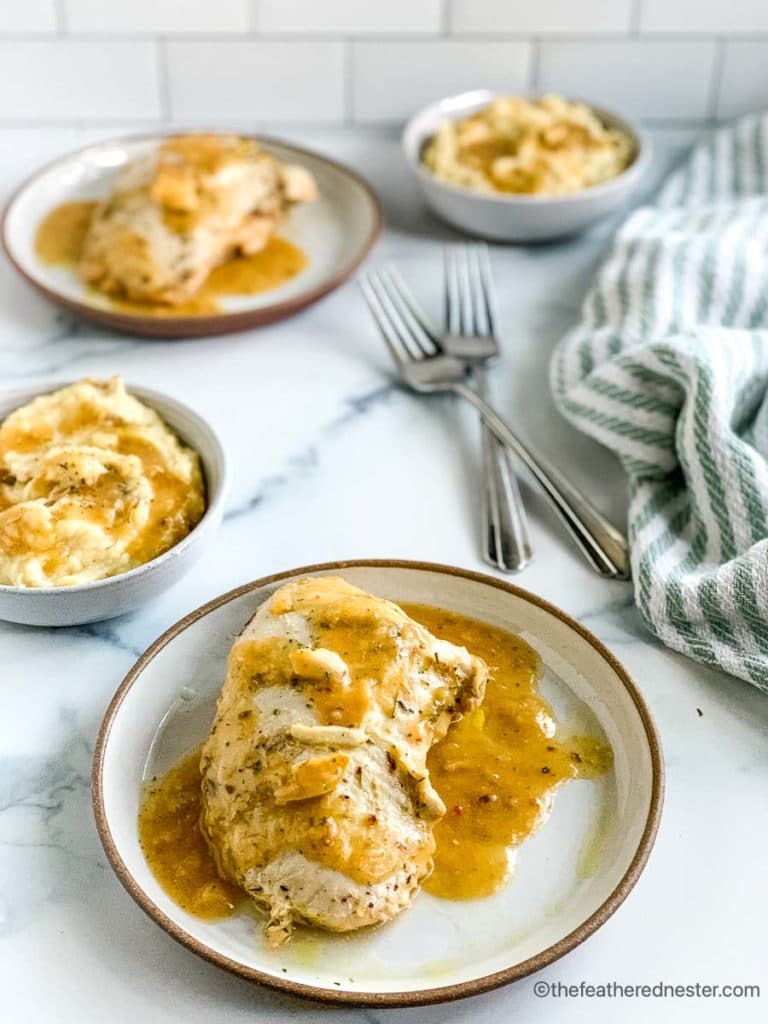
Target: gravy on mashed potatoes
{"x":92,"y":483}
{"x":546,"y":147}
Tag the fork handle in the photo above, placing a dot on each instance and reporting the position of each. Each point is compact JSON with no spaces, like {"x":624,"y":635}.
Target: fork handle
{"x":506,"y":537}
{"x":601,"y":543}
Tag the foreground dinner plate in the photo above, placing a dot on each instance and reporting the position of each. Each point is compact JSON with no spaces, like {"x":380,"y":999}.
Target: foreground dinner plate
{"x":569,"y":878}
{"x":336,"y":232}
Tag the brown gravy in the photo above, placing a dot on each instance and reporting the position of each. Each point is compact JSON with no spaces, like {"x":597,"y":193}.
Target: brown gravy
{"x":60,"y":237}
{"x":175,"y":848}
{"x":496,"y":771}
{"x":62,"y":232}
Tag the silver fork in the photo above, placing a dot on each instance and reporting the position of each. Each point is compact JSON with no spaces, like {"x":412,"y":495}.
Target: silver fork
{"x":601,"y":543}
{"x":471,"y":334}
{"x":506,"y":540}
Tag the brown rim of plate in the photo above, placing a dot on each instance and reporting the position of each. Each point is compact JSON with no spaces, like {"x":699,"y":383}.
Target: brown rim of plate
{"x":418,"y":997}
{"x":196,"y":326}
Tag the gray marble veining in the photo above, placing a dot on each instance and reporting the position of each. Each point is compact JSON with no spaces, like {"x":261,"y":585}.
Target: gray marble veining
{"x":330,"y":461}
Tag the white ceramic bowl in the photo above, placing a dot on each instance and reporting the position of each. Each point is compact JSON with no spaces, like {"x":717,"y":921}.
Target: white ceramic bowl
{"x":569,"y":878}
{"x":513,"y":218}
{"x":103,"y":599}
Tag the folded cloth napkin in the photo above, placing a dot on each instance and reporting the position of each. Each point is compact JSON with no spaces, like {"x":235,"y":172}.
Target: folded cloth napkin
{"x":669,"y":369}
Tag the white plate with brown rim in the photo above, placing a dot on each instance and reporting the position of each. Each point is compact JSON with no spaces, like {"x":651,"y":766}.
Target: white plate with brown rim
{"x":569,"y":878}
{"x":335,"y":234}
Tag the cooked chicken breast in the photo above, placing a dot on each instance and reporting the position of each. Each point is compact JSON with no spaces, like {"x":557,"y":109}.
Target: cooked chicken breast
{"x":315,"y":791}
{"x":179,"y":212}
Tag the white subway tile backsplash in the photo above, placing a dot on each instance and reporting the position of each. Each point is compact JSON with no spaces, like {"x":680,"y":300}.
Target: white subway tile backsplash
{"x":27,"y":16}
{"x":68,"y":80}
{"x":744,"y":83}
{"x":542,"y":17}
{"x":704,"y":16}
{"x":641,"y":78}
{"x":260,"y":81}
{"x":181,"y":16}
{"x":332,"y":60}
{"x":392,"y":80}
{"x":349,"y":17}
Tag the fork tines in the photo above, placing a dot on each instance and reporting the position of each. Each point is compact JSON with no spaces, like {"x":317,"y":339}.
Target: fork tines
{"x":470,"y":302}
{"x":403,"y":325}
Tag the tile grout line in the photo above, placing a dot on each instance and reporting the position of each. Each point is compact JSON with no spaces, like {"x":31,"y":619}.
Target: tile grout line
{"x":376,"y":126}
{"x":163,"y":79}
{"x":60,"y":13}
{"x":534,"y":66}
{"x":348,"y":98}
{"x":445,"y":18}
{"x":635,"y":17}
{"x":716,"y":81}
{"x":237,"y":36}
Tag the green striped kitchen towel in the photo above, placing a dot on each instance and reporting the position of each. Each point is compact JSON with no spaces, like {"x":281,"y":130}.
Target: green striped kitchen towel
{"x":669,"y":368}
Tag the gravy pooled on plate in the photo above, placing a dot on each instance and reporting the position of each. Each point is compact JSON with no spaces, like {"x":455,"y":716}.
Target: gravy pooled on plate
{"x":175,"y":847}
{"x":498,"y":768}
{"x":92,"y":483}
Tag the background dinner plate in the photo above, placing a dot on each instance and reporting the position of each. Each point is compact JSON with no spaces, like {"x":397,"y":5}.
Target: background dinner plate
{"x":335,"y":232}
{"x":569,"y":878}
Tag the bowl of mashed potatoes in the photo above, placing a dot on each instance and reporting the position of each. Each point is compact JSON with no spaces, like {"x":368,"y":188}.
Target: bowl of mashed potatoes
{"x":107,"y":496}
{"x":508,"y":168}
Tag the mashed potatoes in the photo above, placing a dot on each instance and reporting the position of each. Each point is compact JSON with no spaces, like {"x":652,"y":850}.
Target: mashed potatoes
{"x":92,"y":483}
{"x":547,"y":147}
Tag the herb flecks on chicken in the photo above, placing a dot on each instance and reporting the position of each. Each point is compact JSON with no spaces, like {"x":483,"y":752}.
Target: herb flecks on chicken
{"x":316,"y":794}
{"x":182,"y":210}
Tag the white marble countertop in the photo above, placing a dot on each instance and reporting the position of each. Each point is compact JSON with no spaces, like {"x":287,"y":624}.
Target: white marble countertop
{"x":332,"y":461}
